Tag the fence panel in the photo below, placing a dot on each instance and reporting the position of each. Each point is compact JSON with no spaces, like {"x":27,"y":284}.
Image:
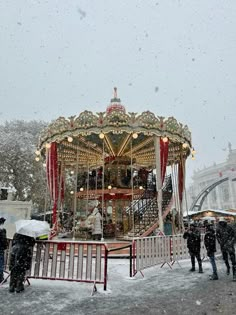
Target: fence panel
{"x":71,"y":261}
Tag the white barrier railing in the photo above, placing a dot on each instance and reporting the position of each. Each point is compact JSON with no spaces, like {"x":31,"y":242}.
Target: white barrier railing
{"x":71,"y":261}
{"x":151,"y":251}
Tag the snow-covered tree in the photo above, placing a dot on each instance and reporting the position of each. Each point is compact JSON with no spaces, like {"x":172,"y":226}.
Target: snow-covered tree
{"x":18,"y":168}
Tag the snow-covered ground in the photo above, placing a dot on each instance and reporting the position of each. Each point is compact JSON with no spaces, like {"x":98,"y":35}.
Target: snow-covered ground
{"x":160,"y":291}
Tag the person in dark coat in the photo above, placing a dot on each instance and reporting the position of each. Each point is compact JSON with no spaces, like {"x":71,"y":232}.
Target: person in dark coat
{"x":210,"y":244}
{"x":225,"y":237}
{"x":20,"y":261}
{"x":193,"y":237}
{"x":3,"y":246}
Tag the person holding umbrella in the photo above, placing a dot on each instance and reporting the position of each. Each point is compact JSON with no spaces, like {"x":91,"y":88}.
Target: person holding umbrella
{"x":22,"y":250}
{"x":20,"y":261}
{"x":3,"y":246}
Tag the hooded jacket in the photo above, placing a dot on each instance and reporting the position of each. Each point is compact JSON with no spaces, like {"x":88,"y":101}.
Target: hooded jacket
{"x":3,"y":239}
{"x":210,"y":241}
{"x":225,"y":236}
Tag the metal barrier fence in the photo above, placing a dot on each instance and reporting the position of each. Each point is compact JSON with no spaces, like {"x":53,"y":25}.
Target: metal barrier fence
{"x":151,"y":251}
{"x":71,"y":261}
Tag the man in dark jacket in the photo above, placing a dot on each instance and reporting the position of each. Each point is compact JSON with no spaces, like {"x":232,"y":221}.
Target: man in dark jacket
{"x":225,"y":237}
{"x":210,"y":244}
{"x":20,"y":260}
{"x":193,"y":237}
{"x":3,"y":246}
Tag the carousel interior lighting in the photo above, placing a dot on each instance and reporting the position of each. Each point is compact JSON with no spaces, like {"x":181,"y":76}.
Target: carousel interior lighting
{"x":165,"y":139}
{"x":69,"y":139}
{"x":135,"y":135}
{"x":72,"y":172}
{"x":81,"y":189}
{"x":185,"y":145}
{"x":141,"y":187}
{"x":101,"y":135}
{"x":72,"y":192}
{"x":44,"y":164}
{"x":109,"y":187}
{"x":37,"y":159}
{"x":48,"y":145}
{"x":37,"y":152}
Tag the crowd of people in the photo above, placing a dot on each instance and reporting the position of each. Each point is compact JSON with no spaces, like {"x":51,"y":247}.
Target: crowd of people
{"x":225,"y":236}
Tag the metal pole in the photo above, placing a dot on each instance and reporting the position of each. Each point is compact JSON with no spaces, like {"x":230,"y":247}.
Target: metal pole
{"x":75,"y":193}
{"x":103,"y":173}
{"x":87,"y":190}
{"x":158,"y":181}
{"x":132,"y":183}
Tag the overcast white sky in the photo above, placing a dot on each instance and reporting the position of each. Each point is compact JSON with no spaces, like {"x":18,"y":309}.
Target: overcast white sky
{"x":174,"y":58}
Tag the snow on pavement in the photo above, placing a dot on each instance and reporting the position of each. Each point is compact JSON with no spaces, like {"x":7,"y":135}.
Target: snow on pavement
{"x":160,"y":291}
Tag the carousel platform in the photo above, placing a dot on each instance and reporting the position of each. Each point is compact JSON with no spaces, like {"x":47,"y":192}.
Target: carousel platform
{"x":113,"y":245}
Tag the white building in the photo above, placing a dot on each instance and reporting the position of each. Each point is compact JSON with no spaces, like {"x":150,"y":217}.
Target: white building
{"x":223,"y":196}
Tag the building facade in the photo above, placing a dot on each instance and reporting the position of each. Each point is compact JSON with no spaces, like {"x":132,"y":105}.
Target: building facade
{"x":223,"y":196}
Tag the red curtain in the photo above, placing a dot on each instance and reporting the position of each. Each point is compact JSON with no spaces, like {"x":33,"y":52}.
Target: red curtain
{"x":180,"y":180}
{"x":164,"y":150}
{"x":52,"y":177}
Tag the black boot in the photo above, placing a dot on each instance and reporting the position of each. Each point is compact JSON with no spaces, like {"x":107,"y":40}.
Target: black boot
{"x":200,"y":267}
{"x":193,"y":264}
{"x":214,"y":276}
{"x":19,"y":287}
{"x":228,"y":268}
{"x":234,"y":273}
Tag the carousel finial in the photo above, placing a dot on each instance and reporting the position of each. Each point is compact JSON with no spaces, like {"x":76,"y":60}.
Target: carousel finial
{"x":115,"y":92}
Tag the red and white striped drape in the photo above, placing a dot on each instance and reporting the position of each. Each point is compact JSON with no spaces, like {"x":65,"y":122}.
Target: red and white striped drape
{"x":164,"y":149}
{"x":52,"y":178}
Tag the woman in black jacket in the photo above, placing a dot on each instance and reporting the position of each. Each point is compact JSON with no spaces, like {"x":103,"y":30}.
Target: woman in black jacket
{"x":20,"y":260}
{"x":210,"y":244}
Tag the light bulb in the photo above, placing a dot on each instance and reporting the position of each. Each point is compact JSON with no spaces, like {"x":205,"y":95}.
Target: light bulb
{"x":48,"y":145}
{"x":165,"y":139}
{"x":135,"y":135}
{"x":37,"y":159}
{"x":37,"y":152}
{"x":101,"y":135}
{"x":185,"y":145}
{"x":69,"y":139}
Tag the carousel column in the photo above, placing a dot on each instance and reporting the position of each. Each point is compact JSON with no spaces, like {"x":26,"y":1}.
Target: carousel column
{"x":158,"y":181}
{"x":87,"y":190}
{"x":132,"y":183}
{"x":103,"y":174}
{"x":75,"y":193}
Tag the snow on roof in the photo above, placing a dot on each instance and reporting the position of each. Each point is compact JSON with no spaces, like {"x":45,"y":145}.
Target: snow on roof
{"x":215,"y":211}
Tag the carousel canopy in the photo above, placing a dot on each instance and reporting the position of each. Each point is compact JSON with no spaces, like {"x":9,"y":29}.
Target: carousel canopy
{"x":115,"y":136}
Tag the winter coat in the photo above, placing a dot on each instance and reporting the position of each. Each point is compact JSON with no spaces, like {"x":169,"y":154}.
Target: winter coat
{"x":3,"y":240}
{"x":210,"y":242}
{"x":96,"y":228}
{"x":21,"y":252}
{"x":193,"y":240}
{"x":225,"y":236}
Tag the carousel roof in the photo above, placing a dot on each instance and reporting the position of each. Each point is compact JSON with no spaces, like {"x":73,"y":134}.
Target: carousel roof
{"x":119,"y":135}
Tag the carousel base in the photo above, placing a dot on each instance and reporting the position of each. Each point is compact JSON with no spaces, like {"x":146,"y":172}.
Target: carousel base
{"x":111,"y":243}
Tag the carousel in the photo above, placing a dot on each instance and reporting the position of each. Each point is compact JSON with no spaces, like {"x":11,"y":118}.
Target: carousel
{"x":130,"y":166}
